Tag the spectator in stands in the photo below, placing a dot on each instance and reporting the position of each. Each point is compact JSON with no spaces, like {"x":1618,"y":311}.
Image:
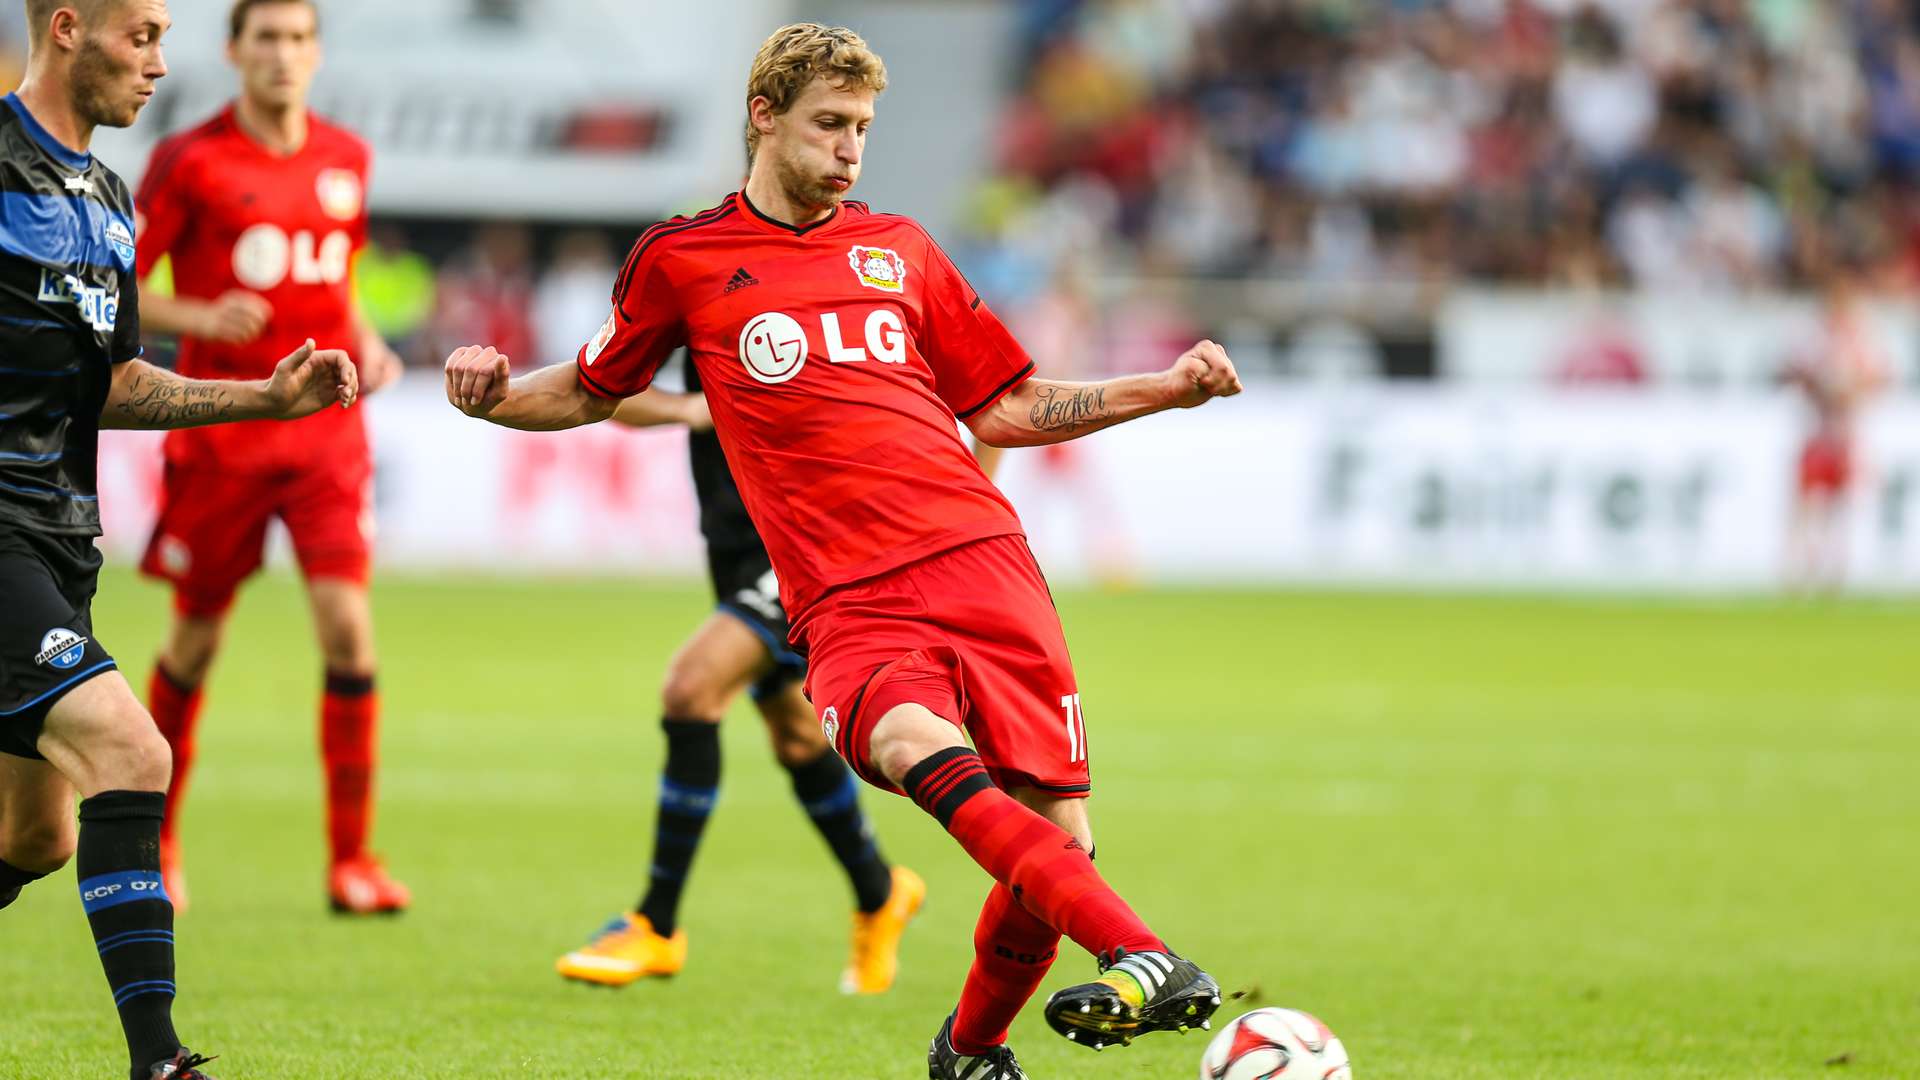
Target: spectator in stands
{"x":396,"y":290}
{"x":571,"y":301}
{"x":485,"y":293}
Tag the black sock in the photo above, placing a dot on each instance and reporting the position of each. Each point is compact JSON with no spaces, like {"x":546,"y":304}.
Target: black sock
{"x":826,"y":790}
{"x":12,"y":880}
{"x":689,"y":784}
{"x":132,"y":919}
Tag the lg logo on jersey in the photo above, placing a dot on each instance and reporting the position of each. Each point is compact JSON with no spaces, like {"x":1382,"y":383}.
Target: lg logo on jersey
{"x":774,"y":346}
{"x":265,"y":256}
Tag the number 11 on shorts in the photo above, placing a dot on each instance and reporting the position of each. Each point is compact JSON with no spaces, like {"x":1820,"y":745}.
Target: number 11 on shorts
{"x":1076,"y":727}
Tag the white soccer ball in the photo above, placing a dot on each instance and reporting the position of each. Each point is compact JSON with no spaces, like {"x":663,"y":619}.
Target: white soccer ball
{"x":1275,"y":1044}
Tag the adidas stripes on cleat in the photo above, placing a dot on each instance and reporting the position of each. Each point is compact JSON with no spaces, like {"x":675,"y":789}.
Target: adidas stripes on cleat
{"x":1136,"y":993}
{"x":946,"y":1063}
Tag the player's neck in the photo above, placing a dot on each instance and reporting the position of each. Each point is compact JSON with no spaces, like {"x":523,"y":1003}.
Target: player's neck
{"x":768,"y":197}
{"x":281,"y":131}
{"x":53,"y":110}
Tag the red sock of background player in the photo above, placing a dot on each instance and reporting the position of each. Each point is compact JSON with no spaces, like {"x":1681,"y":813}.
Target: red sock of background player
{"x":1044,"y":868}
{"x":348,"y":714}
{"x":176,"y":712}
{"x":1012,"y":950}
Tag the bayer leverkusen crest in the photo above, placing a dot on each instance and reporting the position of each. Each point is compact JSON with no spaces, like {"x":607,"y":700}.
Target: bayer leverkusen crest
{"x":339,"y":192}
{"x":878,"y":268}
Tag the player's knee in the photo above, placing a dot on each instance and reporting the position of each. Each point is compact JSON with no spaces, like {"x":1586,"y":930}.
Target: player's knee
{"x":39,"y":845}
{"x":349,"y":658}
{"x":131,"y":754}
{"x":347,"y":648}
{"x":692,"y":693}
{"x":148,"y":760}
{"x":191,"y":648}
{"x":792,"y":729}
{"x":906,"y":736}
{"x":793,"y":747}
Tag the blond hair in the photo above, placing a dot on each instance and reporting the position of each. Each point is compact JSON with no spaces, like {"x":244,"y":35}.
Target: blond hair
{"x":798,"y":53}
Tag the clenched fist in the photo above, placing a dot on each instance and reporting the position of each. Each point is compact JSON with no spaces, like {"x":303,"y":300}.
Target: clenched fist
{"x":477,"y":379}
{"x":1201,"y":374}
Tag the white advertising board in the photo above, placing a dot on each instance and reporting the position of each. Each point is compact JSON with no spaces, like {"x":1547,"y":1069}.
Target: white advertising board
{"x":1373,"y":486}
{"x":1674,"y":339}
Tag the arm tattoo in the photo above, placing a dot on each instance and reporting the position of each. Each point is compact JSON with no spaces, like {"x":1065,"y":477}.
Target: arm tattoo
{"x":1061,"y":408}
{"x":166,"y":401}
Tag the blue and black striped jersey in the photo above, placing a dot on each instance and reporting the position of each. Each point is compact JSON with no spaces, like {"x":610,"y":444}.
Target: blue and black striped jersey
{"x":68,"y":312}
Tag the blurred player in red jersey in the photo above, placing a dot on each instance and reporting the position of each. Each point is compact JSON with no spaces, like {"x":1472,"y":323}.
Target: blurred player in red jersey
{"x":839,"y":349}
{"x":1845,"y":369}
{"x":261,"y":209}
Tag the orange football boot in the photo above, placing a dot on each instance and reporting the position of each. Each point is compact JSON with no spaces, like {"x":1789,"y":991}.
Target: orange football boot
{"x":875,"y":957}
{"x":626,"y":950}
{"x":361,"y":886}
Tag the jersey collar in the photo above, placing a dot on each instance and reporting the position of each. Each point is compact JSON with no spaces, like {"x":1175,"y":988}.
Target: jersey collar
{"x":232,"y":116}
{"x":754,"y":214}
{"x":59,"y":151}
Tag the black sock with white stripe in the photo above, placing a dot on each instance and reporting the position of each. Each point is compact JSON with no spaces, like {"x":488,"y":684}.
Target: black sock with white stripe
{"x":131,"y":916}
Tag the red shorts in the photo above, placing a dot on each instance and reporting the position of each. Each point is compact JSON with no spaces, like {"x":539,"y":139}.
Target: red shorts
{"x":1826,"y":467}
{"x":970,"y":634}
{"x":212,"y":531}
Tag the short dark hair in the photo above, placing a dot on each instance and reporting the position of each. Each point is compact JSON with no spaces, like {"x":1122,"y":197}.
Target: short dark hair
{"x":237,"y":18}
{"x":40,"y":13}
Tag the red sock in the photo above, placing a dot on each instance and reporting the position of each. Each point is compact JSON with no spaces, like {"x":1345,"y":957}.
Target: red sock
{"x":1012,"y":950}
{"x":1045,"y":869}
{"x":347,"y":716}
{"x":176,"y":712}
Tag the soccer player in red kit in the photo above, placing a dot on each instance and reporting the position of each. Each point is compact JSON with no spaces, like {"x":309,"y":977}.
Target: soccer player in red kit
{"x":839,"y":350}
{"x":261,"y":209}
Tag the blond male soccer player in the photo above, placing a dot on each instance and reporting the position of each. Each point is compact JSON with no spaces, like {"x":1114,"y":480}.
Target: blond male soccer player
{"x":835,"y":372}
{"x":261,"y":209}
{"x":70,"y":328}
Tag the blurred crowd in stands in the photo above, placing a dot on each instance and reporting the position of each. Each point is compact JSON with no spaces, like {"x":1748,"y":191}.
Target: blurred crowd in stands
{"x":1726,"y":145}
{"x":1384,"y":148}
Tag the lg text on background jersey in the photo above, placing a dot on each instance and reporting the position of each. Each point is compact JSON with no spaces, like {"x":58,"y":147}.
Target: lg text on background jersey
{"x":234,"y":215}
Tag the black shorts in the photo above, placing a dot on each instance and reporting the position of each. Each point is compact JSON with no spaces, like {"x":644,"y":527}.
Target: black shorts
{"x":744,"y":587}
{"x":46,"y":629}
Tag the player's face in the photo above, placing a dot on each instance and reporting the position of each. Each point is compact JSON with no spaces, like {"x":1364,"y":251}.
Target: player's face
{"x":118,"y":61}
{"x":815,"y":146}
{"x":277,"y":54}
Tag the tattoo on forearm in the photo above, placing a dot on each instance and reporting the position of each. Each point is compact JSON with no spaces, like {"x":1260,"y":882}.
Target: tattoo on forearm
{"x":163,"y":401}
{"x":1061,"y":408}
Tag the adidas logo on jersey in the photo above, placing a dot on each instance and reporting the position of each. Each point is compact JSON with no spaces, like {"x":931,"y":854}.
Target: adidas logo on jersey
{"x":740,"y":280}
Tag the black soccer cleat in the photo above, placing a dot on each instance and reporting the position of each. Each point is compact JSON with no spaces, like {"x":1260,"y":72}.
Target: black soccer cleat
{"x":946,"y":1063}
{"x":1136,"y":993}
{"x":183,"y":1065}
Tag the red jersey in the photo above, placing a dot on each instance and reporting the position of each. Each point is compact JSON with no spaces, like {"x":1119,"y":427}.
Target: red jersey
{"x":836,"y":358}
{"x":234,"y":215}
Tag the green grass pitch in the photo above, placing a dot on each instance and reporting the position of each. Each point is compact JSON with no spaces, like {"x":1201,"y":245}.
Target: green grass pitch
{"x":1481,"y":837}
